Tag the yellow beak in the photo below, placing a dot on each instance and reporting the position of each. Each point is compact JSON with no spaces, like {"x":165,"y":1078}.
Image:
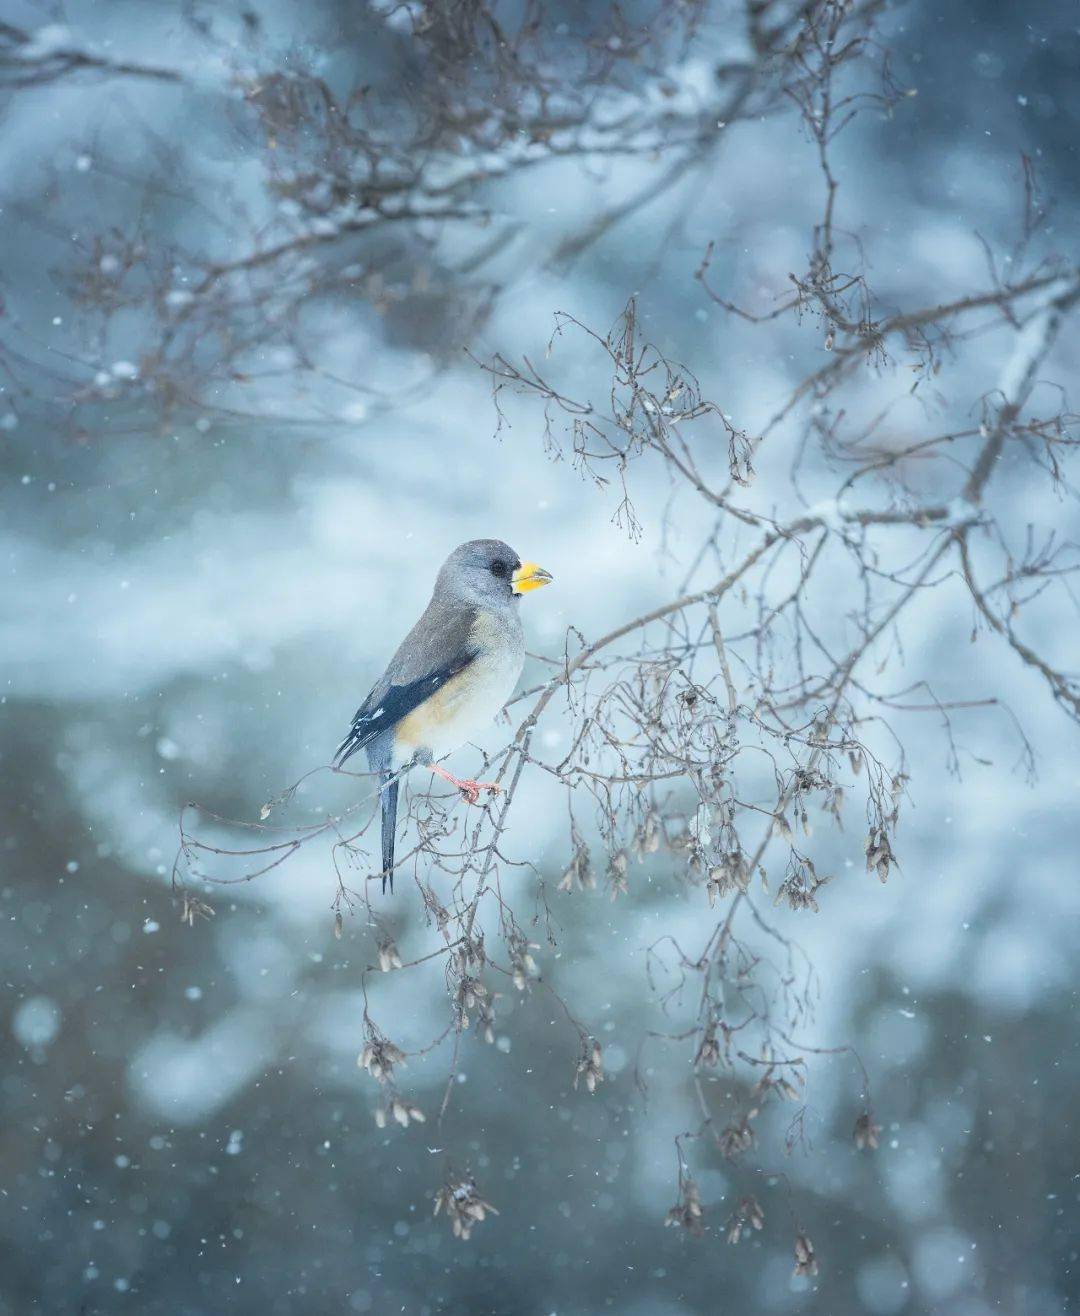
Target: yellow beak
{"x":529,"y":576}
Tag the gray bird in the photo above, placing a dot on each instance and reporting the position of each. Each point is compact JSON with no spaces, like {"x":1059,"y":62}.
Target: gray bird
{"x":450,"y":677}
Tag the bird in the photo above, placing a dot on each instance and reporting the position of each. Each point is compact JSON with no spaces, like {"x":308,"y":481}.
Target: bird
{"x":449,"y":678}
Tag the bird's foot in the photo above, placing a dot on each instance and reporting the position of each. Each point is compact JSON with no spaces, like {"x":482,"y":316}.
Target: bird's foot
{"x":469,"y":789}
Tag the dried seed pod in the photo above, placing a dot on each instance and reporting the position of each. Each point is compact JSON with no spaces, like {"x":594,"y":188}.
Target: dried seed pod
{"x":735,"y":1139}
{"x":487,"y":1022}
{"x":522,"y":965}
{"x":687,"y":1211}
{"x":805,"y":1260}
{"x":463,"y":1205}
{"x":590,"y":1067}
{"x":388,"y":955}
{"x":616,"y":874}
{"x":709,"y":1051}
{"x":647,"y":836}
{"x":379,"y":1057}
{"x":866,"y":1132}
{"x":746,"y":1216}
{"x":579,"y":871}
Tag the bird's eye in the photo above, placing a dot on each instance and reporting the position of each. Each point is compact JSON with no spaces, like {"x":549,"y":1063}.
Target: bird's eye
{"x":498,"y":568}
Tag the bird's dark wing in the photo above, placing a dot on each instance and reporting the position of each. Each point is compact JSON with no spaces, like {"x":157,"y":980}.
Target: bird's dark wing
{"x":437,"y":648}
{"x":381,"y":711}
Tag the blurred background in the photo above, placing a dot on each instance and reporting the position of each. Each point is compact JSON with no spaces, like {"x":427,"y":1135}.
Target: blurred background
{"x":197,"y":596}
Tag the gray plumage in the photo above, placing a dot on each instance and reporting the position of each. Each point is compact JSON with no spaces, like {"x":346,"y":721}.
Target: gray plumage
{"x":449,"y":677}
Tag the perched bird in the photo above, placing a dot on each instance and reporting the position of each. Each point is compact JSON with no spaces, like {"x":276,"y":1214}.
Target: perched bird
{"x":452,"y":674}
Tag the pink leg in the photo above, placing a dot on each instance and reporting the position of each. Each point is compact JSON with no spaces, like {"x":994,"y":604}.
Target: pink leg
{"x":469,"y":788}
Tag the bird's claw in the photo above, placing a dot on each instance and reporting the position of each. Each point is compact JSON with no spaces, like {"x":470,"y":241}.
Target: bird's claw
{"x":470,"y":790}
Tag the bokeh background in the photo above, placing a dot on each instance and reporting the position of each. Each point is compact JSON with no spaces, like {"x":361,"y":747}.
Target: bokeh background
{"x":192,"y":613}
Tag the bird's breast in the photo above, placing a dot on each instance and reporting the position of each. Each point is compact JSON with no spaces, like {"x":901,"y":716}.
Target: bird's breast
{"x":468,"y":703}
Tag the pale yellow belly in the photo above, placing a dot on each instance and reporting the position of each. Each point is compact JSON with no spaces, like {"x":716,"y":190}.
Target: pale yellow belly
{"x":459,"y":711}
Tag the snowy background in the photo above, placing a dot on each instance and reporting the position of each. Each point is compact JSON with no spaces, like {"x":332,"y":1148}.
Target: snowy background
{"x":194,"y":613}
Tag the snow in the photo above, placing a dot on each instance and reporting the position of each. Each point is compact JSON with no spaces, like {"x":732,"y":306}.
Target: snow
{"x":831,"y":515}
{"x":1031,"y":344}
{"x":48,"y":41}
{"x":36,"y":1022}
{"x":187,"y":1080}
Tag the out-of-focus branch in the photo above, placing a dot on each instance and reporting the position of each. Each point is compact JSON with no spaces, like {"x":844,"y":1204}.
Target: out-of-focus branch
{"x":30,"y":59}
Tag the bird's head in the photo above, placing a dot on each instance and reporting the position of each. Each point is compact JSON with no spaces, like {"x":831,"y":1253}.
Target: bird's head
{"x":487,"y":572}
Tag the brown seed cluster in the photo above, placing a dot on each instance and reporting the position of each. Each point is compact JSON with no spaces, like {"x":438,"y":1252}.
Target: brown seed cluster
{"x":734,"y":1139}
{"x":522,"y":965}
{"x":379,"y":1057}
{"x":618,"y":868}
{"x":388,"y":955}
{"x":590,"y":1066}
{"x":396,"y":1109}
{"x":687,"y":1211}
{"x":193,"y":908}
{"x":746,"y":1217}
{"x":799,"y":888}
{"x":879,"y":854}
{"x":712,"y":1050}
{"x":805,"y":1260}
{"x":775,"y":1081}
{"x":464,"y":1207}
{"x":730,"y":874}
{"x":866,"y":1132}
{"x":579,"y":873}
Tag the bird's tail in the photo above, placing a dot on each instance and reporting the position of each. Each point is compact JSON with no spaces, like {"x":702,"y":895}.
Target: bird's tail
{"x":389,"y":793}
